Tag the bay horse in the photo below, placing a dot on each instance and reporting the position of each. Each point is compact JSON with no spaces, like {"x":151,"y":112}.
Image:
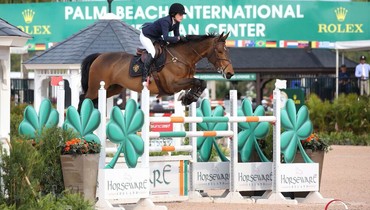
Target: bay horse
{"x":177,"y":73}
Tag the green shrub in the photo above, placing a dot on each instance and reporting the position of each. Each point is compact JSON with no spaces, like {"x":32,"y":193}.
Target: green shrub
{"x":50,"y":201}
{"x":346,"y":138}
{"x":21,"y":165}
{"x":321,"y":114}
{"x":16,"y":117}
{"x":33,"y":169}
{"x":76,"y":202}
{"x":347,"y":113}
{"x":49,"y":152}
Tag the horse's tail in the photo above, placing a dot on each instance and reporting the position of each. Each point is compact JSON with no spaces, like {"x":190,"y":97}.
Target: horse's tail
{"x":85,"y":69}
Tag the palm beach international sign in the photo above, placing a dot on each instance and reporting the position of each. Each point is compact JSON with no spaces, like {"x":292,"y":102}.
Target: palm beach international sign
{"x":250,"y":23}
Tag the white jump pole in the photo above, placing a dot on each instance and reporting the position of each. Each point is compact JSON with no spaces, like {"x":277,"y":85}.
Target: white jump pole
{"x":102,"y":98}
{"x":102,"y":106}
{"x":274,"y":196}
{"x":146,"y":203}
{"x":60,"y":102}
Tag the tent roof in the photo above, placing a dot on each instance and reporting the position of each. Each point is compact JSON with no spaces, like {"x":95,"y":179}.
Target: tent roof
{"x":110,"y":35}
{"x":353,"y":45}
{"x":7,"y":29}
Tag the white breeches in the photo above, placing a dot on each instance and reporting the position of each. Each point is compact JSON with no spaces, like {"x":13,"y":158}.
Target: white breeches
{"x":147,"y":44}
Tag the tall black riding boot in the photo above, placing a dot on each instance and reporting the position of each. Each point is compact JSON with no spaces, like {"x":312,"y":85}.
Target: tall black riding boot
{"x":148,"y":62}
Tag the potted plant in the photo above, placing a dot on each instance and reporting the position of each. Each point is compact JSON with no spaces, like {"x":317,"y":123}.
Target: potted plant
{"x":80,"y":162}
{"x":315,"y":144}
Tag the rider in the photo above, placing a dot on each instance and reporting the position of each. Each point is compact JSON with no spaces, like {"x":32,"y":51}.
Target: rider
{"x":151,"y":32}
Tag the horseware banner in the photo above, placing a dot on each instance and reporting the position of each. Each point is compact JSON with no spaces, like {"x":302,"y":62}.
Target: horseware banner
{"x":250,"y":23}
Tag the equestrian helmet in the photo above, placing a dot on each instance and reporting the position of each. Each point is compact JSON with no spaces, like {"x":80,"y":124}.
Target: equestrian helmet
{"x":177,"y":8}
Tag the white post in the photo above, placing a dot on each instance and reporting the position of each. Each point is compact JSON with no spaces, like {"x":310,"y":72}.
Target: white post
{"x":179,"y":112}
{"x":37,"y":90}
{"x":234,"y":147}
{"x":101,"y":129}
{"x":60,"y":102}
{"x":276,"y":143}
{"x":145,"y":106}
{"x":102,"y":202}
{"x":274,"y":196}
{"x":4,"y":103}
{"x":134,"y":95}
{"x":109,"y":106}
{"x":194,"y":195}
{"x":75,"y":85}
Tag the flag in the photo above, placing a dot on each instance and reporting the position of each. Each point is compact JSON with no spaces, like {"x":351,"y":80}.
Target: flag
{"x":303,"y":44}
{"x":282,"y":44}
{"x":250,"y":43}
{"x":40,"y":46}
{"x":271,"y":44}
{"x":240,"y":43}
{"x":314,"y":44}
{"x":260,"y":43}
{"x":291,"y":44}
{"x":230,"y":43}
{"x":55,"y":80}
{"x":326,"y":44}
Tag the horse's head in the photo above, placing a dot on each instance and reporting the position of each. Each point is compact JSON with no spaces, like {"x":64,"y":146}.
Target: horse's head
{"x":218,"y":55}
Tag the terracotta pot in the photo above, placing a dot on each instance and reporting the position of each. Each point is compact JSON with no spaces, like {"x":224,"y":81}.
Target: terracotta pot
{"x":80,"y":173}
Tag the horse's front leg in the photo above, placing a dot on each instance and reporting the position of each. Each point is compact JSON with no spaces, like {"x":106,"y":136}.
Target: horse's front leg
{"x":194,"y":88}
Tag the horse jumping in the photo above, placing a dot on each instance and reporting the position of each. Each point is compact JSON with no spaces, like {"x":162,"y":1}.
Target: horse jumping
{"x":177,"y":73}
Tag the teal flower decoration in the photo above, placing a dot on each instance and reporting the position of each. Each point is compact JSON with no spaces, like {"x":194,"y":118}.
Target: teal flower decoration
{"x":122,"y":129}
{"x":297,"y":127}
{"x":251,"y":131}
{"x":204,"y":144}
{"x":85,"y":123}
{"x":32,"y":124}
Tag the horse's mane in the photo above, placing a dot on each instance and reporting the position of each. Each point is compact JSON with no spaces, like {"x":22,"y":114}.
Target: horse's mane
{"x":200,"y":37}
{"x":196,"y":38}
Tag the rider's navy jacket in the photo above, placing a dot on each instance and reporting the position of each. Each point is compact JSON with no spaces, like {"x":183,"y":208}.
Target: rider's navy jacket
{"x":162,"y":26}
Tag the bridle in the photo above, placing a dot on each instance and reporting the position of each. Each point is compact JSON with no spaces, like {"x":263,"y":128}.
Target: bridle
{"x":220,"y":69}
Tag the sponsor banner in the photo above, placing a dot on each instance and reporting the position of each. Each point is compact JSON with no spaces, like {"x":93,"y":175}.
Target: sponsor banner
{"x":162,"y":142}
{"x":125,"y":183}
{"x":211,"y":175}
{"x":254,"y":176}
{"x":250,"y":23}
{"x":236,"y":77}
{"x":169,"y":178}
{"x":295,"y":177}
{"x":161,"y":127}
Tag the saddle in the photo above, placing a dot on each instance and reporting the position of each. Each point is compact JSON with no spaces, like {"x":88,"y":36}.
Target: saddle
{"x":137,"y":62}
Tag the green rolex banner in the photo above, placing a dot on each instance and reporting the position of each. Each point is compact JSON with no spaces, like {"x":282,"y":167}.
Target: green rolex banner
{"x":251,"y":23}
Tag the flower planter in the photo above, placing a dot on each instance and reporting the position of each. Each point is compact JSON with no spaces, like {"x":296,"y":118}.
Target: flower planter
{"x":80,"y":173}
{"x":317,"y":157}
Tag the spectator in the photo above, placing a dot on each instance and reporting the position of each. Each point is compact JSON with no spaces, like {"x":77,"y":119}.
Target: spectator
{"x":158,"y":107}
{"x":362,"y":74}
{"x":344,"y":80}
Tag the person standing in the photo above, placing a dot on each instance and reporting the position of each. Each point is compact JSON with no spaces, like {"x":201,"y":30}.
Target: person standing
{"x":344,"y":79}
{"x":362,"y":73}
